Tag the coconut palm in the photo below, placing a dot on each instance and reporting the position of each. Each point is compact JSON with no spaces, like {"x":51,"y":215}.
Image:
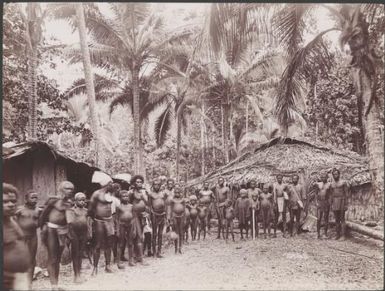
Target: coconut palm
{"x":352,"y":21}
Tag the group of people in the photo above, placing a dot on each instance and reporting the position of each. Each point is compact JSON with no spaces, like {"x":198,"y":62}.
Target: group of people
{"x":137,"y":219}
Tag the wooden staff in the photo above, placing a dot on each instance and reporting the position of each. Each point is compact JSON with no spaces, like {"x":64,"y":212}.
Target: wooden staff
{"x":253,"y":214}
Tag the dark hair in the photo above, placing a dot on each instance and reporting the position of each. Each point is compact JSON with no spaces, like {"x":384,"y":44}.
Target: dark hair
{"x":122,"y":192}
{"x":295,"y":175}
{"x":30,"y":192}
{"x":8,"y":188}
{"x":280,"y":175}
{"x":336,"y":170}
{"x":136,"y":177}
{"x":116,"y":186}
{"x":170,"y":180}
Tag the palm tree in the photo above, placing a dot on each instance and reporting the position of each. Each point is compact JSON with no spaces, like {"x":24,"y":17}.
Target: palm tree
{"x":99,"y":157}
{"x":34,"y":20}
{"x":352,"y":21}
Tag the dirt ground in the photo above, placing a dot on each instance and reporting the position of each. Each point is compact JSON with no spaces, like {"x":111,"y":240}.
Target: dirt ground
{"x":298,"y":263}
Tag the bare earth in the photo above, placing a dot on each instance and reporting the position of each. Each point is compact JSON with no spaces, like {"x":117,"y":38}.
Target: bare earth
{"x":299,"y":263}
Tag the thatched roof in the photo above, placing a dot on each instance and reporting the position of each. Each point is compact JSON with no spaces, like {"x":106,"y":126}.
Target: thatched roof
{"x":288,"y":156}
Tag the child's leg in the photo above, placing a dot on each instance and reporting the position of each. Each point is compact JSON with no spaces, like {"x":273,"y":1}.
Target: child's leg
{"x":298,"y":218}
{"x":232,"y":229}
{"x":269,"y":212}
{"x":291,"y":212}
{"x":326,"y":221}
{"x":319,"y":219}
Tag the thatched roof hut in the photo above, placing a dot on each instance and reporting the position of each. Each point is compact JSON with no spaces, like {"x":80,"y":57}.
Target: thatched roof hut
{"x":288,"y":156}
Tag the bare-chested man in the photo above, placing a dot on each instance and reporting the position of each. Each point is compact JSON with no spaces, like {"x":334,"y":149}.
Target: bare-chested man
{"x":27,"y":218}
{"x":193,"y":208}
{"x":280,"y":199}
{"x":55,"y":228}
{"x":100,"y":210}
{"x":207,"y":198}
{"x":221,"y":195}
{"x":296,"y":196}
{"x":157,"y":202}
{"x":139,"y":200}
{"x":169,"y":191}
{"x":339,"y":196}
{"x":323,"y":205}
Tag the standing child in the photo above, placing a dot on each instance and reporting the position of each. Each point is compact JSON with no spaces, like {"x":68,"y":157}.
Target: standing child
{"x":266,"y":202}
{"x":78,"y":229}
{"x":193,"y":208}
{"x":254,"y":207}
{"x":242,"y":212}
{"x":27,"y":218}
{"x":178,"y":205}
{"x":16,"y":257}
{"x":147,"y":232}
{"x":229,"y":216}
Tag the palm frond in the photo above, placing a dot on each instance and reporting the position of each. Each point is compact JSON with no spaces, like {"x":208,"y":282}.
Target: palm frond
{"x":163,"y":124}
{"x":121,"y":99}
{"x":289,"y":26}
{"x":300,"y":67}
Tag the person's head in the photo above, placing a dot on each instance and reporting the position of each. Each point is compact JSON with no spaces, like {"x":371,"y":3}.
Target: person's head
{"x":205,"y":185}
{"x":10,"y":194}
{"x":156,"y":184}
{"x":170,"y":184}
{"x":243,"y":193}
{"x":31,"y":198}
{"x":336,"y":174}
{"x":228,"y":203}
{"x":265,"y":188}
{"x":66,"y":189}
{"x":254,"y":196}
{"x":137,"y":181}
{"x":253,"y":184}
{"x":295,"y":179}
{"x":221,"y":181}
{"x":80,"y":199}
{"x":193,"y":199}
{"x":177,"y":191}
{"x":324,"y":177}
{"x":116,"y":189}
{"x":124,"y":196}
{"x":279,"y":178}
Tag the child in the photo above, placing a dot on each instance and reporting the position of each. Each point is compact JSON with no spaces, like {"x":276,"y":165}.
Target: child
{"x":16,"y":257}
{"x":147,"y":231}
{"x":266,"y":202}
{"x":127,"y":232}
{"x":202,"y":219}
{"x":254,"y":207}
{"x":187,"y":222}
{"x":229,"y":216}
{"x":27,"y":217}
{"x":178,"y":206}
{"x":193,"y":208}
{"x":242,"y":212}
{"x":78,"y":232}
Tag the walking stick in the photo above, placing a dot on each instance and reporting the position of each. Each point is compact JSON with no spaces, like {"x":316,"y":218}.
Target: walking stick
{"x":253,"y":223}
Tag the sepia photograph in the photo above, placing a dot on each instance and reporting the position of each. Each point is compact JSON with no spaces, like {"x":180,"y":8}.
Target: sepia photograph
{"x":193,"y":146}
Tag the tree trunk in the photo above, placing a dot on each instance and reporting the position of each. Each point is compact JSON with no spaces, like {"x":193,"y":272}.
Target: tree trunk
{"x":202,"y":144}
{"x":136,"y":106}
{"x":225,"y":124}
{"x":247,"y":117}
{"x":32,"y":96}
{"x":178,"y":142}
{"x":374,"y":138}
{"x":365,"y":230}
{"x":89,"y":81}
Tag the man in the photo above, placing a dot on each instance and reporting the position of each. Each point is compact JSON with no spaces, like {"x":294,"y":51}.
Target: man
{"x":16,"y":257}
{"x":280,"y":203}
{"x":221,"y":195}
{"x":27,"y":217}
{"x":296,"y":196}
{"x":339,"y":195}
{"x":139,"y":200}
{"x":322,"y":202}
{"x":169,"y":192}
{"x":55,"y":228}
{"x":206,"y":197}
{"x":157,"y":202}
{"x":100,"y":210}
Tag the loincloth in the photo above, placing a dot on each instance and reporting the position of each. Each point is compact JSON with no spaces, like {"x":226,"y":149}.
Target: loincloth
{"x":107,"y":224}
{"x":323,"y":205}
{"x":338,"y":203}
{"x":61,"y":231}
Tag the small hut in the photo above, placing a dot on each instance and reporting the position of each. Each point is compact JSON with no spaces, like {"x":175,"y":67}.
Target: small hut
{"x":288,"y":156}
{"x":38,"y":166}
